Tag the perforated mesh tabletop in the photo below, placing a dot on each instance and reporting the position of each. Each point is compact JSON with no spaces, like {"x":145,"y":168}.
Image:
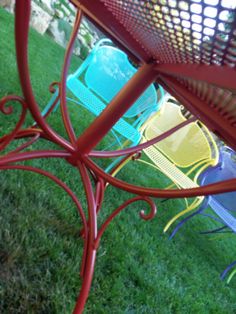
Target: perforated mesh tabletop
{"x":171,"y":31}
{"x":192,"y":45}
{"x":179,"y":31}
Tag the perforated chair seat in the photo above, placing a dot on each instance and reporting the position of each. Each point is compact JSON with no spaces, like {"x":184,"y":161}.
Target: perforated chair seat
{"x":169,"y":169}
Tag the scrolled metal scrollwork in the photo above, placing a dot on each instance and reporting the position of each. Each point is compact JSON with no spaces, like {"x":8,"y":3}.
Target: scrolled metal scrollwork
{"x":146,"y":216}
{"x":8,"y":110}
{"x":52,"y":88}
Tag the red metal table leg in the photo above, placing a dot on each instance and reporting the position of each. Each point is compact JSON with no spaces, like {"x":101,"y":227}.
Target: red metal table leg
{"x":90,"y":255}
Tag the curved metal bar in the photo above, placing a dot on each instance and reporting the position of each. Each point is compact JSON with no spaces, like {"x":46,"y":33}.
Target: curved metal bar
{"x":27,"y":144}
{"x":52,"y":88}
{"x":22,"y":17}
{"x":31,"y":131}
{"x":26,"y":133}
{"x":64,"y":112}
{"x":89,"y":255}
{"x":52,"y":106}
{"x":21,"y":135}
{"x":215,"y":188}
{"x":135,"y":149}
{"x":182,"y":222}
{"x":9,"y":110}
{"x":99,"y":195}
{"x":144,"y":216}
{"x":213,"y":217}
{"x":57,"y":181}
{"x":227,"y":269}
{"x":10,"y":158}
{"x":217,"y":230}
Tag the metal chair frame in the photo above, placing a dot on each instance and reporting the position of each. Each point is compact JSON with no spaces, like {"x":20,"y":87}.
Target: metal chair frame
{"x":189,"y":150}
{"x":223,"y":206}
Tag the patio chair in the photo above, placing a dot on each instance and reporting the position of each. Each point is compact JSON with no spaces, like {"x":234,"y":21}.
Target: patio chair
{"x":223,"y":205}
{"x":99,"y":78}
{"x":184,"y":154}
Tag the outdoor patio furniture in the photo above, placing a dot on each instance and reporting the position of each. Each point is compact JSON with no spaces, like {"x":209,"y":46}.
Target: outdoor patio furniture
{"x":183,"y":155}
{"x":223,"y":206}
{"x":98,"y":79}
{"x":184,"y":46}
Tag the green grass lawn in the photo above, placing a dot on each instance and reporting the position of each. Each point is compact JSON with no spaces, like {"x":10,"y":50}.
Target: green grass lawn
{"x":138,"y":269}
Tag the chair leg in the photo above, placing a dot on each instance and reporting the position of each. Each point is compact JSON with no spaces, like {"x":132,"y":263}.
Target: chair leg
{"x":227,"y":269}
{"x":215,"y":230}
{"x":53,"y":98}
{"x":182,"y":222}
{"x":56,"y":107}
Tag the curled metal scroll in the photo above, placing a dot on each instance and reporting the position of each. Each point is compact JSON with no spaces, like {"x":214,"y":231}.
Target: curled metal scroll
{"x":9,"y":110}
{"x":146,"y":216}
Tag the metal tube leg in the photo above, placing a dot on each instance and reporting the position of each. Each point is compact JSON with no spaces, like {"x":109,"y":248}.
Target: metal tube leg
{"x":87,"y":280}
{"x":90,"y":254}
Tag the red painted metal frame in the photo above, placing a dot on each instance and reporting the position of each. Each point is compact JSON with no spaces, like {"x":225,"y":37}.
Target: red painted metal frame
{"x":153,"y":42}
{"x":78,"y":151}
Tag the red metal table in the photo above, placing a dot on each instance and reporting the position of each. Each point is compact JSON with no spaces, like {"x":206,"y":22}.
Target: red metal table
{"x":189,"y":47}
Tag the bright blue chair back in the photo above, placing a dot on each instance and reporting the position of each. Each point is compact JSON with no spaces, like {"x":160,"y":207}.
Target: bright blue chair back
{"x":109,"y":71}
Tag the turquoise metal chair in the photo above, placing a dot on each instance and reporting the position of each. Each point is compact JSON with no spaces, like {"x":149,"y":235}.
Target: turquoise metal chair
{"x":99,"y":78}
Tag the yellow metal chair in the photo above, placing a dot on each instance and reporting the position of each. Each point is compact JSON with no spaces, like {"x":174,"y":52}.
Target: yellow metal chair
{"x":184,"y":154}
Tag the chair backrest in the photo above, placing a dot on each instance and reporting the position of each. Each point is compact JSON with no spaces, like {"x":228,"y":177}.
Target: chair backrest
{"x":109,"y":71}
{"x":225,"y":169}
{"x":185,"y":147}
